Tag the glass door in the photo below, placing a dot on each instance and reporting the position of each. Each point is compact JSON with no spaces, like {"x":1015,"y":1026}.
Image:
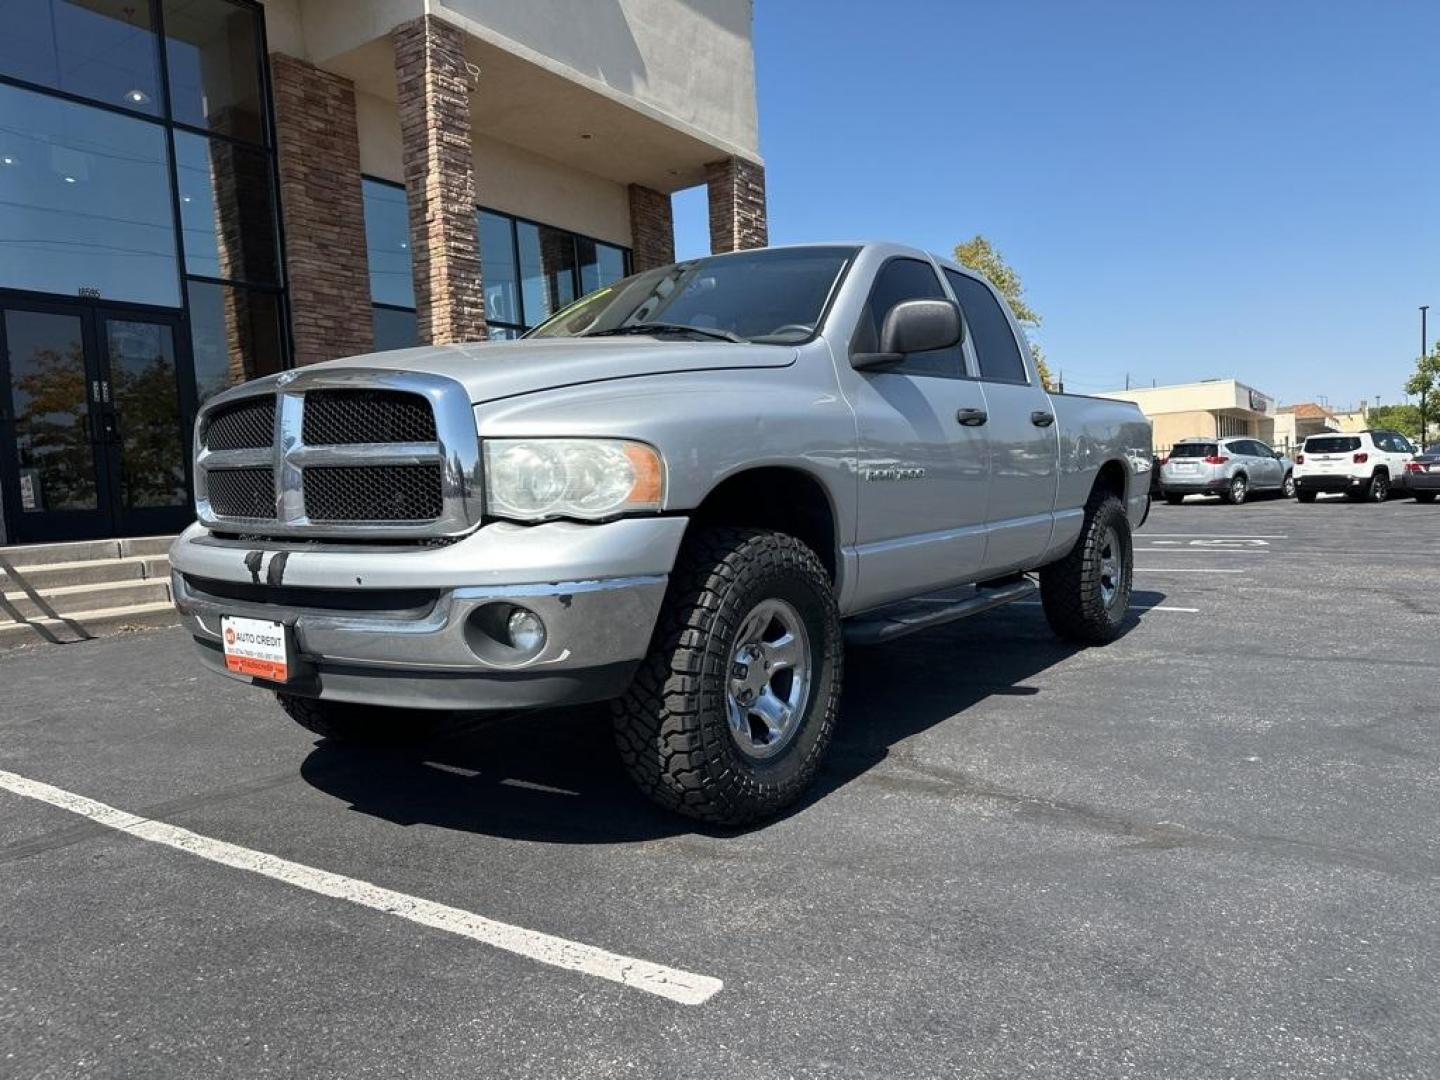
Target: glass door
{"x":51,"y":385}
{"x":95,"y":413}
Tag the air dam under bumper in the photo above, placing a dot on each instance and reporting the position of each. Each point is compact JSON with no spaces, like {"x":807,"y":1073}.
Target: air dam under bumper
{"x":405,"y":627}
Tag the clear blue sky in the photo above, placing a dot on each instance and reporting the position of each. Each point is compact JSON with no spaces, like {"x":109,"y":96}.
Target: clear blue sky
{"x":1190,"y":188}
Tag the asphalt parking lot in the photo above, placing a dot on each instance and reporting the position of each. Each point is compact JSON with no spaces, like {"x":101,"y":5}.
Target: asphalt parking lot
{"x":1207,"y":850}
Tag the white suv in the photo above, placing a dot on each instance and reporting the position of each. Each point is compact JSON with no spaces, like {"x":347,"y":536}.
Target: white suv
{"x":1364,"y":464}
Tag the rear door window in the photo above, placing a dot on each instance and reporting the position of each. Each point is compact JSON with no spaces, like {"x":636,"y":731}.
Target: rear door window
{"x":1192,"y":450}
{"x":990,"y":333}
{"x":900,"y":280}
{"x":1331,"y":444}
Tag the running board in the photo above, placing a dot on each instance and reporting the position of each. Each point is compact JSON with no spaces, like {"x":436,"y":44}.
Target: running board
{"x":924,"y":612}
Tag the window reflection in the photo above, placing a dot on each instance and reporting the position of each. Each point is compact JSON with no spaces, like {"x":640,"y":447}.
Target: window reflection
{"x":225,"y":210}
{"x":235,"y":334}
{"x":387,"y":244}
{"x":100,"y":49}
{"x":547,"y":270}
{"x":497,"y":269}
{"x":50,"y":406}
{"x":147,"y":411}
{"x":212,"y":47}
{"x":394,"y":329}
{"x":84,"y":202}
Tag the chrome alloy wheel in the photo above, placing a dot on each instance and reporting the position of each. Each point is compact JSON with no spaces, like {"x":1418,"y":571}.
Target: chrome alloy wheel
{"x":770,"y":673}
{"x":1112,"y":567}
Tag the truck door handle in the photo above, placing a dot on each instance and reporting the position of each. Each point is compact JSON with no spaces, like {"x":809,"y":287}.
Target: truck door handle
{"x":1040,"y":418}
{"x":971,"y":417}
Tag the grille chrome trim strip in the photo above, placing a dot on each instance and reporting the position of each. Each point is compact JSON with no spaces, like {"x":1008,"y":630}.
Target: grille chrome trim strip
{"x":457,"y":451}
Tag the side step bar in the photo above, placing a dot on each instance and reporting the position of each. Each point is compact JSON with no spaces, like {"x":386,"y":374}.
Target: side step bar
{"x":923,"y":613}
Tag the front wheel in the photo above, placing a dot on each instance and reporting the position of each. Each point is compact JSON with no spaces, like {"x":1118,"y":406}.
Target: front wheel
{"x":1287,"y":489}
{"x":729,"y":716}
{"x":1174,"y":498}
{"x":1087,"y":593}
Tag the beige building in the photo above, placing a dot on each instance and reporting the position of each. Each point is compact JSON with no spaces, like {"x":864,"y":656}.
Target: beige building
{"x":1214,"y":408}
{"x":1296,"y":423}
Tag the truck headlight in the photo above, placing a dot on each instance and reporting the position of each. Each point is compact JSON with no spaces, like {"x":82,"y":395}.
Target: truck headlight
{"x":535,"y":479}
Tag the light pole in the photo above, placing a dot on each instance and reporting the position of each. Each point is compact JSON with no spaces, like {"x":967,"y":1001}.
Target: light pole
{"x":1424,"y":420}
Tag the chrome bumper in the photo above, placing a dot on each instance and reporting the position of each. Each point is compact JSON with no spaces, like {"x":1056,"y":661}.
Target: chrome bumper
{"x":429,"y":653}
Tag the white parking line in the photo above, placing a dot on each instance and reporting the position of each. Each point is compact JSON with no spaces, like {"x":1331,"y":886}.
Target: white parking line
{"x":680,"y":986}
{"x":1217,"y":536}
{"x":1203,"y":551}
{"x":1187,"y":570}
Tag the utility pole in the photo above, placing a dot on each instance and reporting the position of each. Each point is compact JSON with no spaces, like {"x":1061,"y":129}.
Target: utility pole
{"x":1424,"y":420}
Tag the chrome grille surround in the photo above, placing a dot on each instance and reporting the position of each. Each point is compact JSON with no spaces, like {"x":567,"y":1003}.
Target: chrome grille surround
{"x":456,"y":452}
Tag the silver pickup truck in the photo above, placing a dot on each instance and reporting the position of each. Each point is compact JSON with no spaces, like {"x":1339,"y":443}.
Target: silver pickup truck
{"x":684,"y":493}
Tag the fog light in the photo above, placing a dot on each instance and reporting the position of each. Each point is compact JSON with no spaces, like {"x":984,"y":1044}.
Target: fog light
{"x":525,"y":630}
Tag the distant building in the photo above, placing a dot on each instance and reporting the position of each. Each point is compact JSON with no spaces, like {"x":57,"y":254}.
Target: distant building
{"x":1296,"y":423}
{"x":1356,"y":419}
{"x":1214,"y":408}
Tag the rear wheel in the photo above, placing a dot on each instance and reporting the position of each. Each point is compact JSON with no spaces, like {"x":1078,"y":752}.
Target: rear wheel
{"x":729,"y":716}
{"x":1287,"y":489}
{"x":1174,"y":498}
{"x":1238,"y":489}
{"x":1087,"y":593}
{"x":1378,"y":490}
{"x":372,"y":724}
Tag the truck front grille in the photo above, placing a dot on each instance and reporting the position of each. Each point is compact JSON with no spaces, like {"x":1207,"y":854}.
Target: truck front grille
{"x":373,"y":492}
{"x":344,"y":417}
{"x":243,"y":493}
{"x":324,"y":454}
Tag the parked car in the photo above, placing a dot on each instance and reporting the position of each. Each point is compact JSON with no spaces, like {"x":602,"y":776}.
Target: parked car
{"x":1231,"y":468}
{"x":1422,"y":474}
{"x":1364,"y":465}
{"x":681,"y":493}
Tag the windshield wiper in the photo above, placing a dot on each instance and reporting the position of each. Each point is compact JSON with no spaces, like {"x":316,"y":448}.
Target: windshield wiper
{"x":666,"y":328}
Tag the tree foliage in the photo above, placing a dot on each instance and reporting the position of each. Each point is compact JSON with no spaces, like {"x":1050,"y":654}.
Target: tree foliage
{"x":1402,"y":418}
{"x":979,"y":254}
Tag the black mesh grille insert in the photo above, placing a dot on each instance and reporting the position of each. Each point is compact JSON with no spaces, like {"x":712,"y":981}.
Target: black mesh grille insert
{"x":246,"y":425}
{"x":366,"y":416}
{"x":242,"y":493}
{"x":373,"y":492}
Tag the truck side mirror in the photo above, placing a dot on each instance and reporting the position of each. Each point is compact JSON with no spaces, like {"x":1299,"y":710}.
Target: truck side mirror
{"x":913,"y":326}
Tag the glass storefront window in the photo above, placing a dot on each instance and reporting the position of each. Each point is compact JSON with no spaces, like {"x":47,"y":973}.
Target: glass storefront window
{"x":387,"y":244}
{"x":147,"y":401}
{"x":547,"y":270}
{"x":213,"y":51}
{"x":225,"y":210}
{"x":497,"y":268}
{"x":600,"y":264}
{"x":84,"y":202}
{"x":235,"y":334}
{"x":394,"y":329}
{"x":100,"y":49}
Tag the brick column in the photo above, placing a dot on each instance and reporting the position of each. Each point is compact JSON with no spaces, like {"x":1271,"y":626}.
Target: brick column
{"x":737,"y":204}
{"x":318,"y":153}
{"x":434,"y":102}
{"x":652,"y":228}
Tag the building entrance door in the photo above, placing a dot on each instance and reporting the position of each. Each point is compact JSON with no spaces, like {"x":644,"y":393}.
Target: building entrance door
{"x":96,"y":405}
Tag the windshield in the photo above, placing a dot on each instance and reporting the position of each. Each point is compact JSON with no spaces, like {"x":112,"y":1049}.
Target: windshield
{"x":1331,"y":444}
{"x":772,"y":296}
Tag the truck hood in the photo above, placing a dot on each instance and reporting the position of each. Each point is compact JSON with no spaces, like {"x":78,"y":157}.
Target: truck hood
{"x":500,"y":369}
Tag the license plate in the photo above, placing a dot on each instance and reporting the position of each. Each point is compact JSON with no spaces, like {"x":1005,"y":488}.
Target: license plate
{"x":1184,"y":467}
{"x":256,"y":647}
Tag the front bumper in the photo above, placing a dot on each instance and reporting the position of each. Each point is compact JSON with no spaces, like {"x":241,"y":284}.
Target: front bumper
{"x":403,"y":626}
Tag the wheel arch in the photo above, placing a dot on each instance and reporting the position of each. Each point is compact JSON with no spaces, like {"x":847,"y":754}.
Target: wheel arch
{"x":1111,"y":479}
{"x":780,"y":497}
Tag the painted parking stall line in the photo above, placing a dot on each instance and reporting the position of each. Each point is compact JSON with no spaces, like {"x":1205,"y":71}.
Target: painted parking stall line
{"x":684,"y":987}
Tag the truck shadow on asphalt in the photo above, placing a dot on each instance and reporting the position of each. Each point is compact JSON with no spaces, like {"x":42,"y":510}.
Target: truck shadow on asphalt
{"x":554,"y":776}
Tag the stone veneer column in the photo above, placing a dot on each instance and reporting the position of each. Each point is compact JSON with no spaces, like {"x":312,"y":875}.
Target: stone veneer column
{"x":318,"y":153}
{"x":434,"y":99}
{"x":737,"y":204}
{"x":652,"y":229}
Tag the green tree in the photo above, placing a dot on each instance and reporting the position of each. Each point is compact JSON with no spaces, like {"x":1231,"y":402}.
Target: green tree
{"x":1402,"y":418}
{"x":979,"y":254}
{"x":1422,"y":384}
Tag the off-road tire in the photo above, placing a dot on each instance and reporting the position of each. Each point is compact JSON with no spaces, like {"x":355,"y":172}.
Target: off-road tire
{"x":671,"y":725}
{"x":1237,"y":490}
{"x":1070,"y":589}
{"x":1425,"y":496}
{"x":1174,"y":498}
{"x":345,"y":722}
{"x":1301,"y":495}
